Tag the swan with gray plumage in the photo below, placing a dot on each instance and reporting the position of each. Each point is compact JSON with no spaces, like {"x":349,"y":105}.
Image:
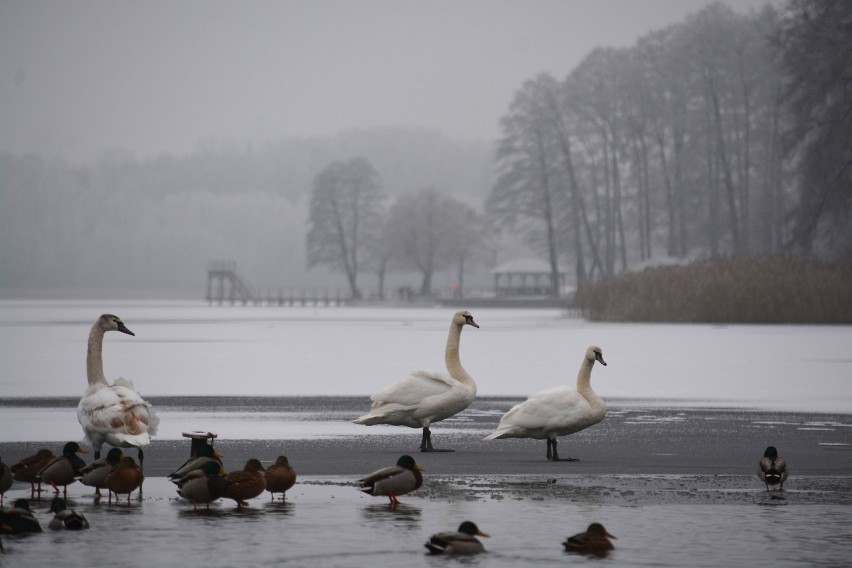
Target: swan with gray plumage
{"x":113,"y":414}
{"x":426,"y":397}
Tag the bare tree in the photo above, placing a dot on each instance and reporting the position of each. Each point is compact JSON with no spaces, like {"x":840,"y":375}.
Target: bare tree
{"x":345,"y":212}
{"x":421,"y":233}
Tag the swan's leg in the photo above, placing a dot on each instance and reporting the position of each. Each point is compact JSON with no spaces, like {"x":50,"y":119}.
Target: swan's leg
{"x":555,"y":456}
{"x":426,"y":443}
{"x":141,"y":455}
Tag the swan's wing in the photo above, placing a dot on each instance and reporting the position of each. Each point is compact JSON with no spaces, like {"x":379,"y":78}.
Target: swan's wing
{"x":550,"y":410}
{"x":414,"y":388}
{"x":116,"y":409}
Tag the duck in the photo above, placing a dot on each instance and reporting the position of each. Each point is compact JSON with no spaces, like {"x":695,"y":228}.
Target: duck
{"x":95,"y":474}
{"x":19,"y":519}
{"x":247,"y":483}
{"x":203,"y":485}
{"x":393,"y":481}
{"x":280,"y":477}
{"x":65,"y":518}
{"x":27,"y":470}
{"x":594,"y":542}
{"x":204,"y":454}
{"x":459,"y":543}
{"x":5,"y":480}
{"x":558,"y":411}
{"x":772,"y":469}
{"x":65,"y":469}
{"x":113,"y":414}
{"x":125,"y":478}
{"x":426,"y":397}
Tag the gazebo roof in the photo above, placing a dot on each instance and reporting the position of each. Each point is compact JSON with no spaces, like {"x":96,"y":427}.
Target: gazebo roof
{"x":523,"y":265}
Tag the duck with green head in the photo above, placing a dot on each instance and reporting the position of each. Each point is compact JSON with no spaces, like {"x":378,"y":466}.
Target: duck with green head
{"x":95,"y":474}
{"x":203,"y":485}
{"x":393,"y":481}
{"x":65,"y":518}
{"x":19,"y":519}
{"x":205,"y":453}
{"x":65,"y":469}
{"x":462,"y":542}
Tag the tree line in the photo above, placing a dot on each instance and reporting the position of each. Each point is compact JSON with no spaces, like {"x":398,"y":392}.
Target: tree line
{"x":724,"y":135}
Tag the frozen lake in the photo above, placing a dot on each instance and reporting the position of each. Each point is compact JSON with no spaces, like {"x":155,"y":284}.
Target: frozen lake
{"x":192,"y":349}
{"x":670,"y":470}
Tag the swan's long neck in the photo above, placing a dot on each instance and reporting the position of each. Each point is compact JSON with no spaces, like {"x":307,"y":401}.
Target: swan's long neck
{"x":94,"y":356}
{"x":451,"y":356}
{"x":584,"y":384}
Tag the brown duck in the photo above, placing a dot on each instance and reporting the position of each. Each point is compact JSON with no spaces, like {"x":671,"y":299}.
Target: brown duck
{"x":280,"y":477}
{"x":246,"y":483}
{"x":27,"y":470}
{"x":594,"y":542}
{"x":124,"y":478}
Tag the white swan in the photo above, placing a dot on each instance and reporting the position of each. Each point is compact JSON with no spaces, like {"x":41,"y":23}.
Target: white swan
{"x":556,"y":412}
{"x":113,"y":414}
{"x":426,"y":397}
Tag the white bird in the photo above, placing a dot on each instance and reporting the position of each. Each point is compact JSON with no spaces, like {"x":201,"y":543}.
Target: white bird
{"x":113,"y":414}
{"x":556,"y":412}
{"x":426,"y":397}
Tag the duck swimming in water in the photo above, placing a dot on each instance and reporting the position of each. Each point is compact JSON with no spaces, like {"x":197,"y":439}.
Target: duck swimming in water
{"x":459,"y":543}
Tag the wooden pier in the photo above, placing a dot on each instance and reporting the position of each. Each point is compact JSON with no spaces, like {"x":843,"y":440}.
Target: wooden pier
{"x":225,"y":284}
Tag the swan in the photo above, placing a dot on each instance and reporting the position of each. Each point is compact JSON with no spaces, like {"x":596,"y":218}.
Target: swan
{"x":556,"y":412}
{"x":425,"y":397}
{"x":394,"y":480}
{"x":113,"y":414}
{"x":594,"y":542}
{"x":460,"y":543}
{"x":772,"y":469}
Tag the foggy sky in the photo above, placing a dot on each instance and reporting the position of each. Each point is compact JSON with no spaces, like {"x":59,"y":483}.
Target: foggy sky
{"x":81,"y":77}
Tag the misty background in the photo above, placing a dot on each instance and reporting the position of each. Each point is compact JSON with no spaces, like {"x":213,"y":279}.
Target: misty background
{"x":138,"y":141}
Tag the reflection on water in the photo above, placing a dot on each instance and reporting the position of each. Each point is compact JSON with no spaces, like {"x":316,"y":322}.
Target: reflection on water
{"x":402,"y":516}
{"x":326,"y":522}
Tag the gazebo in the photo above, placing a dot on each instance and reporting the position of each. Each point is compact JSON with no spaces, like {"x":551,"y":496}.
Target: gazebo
{"x":525,"y":277}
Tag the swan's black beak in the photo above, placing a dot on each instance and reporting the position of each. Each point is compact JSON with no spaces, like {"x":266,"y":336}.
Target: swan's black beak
{"x":123,"y":329}
{"x":599,"y":357}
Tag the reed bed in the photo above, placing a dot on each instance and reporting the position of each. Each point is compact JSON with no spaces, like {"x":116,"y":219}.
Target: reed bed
{"x":724,"y":290}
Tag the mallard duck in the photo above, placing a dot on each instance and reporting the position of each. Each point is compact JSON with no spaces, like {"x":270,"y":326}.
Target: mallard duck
{"x":280,"y":477}
{"x":246,"y":483}
{"x":461,"y":542}
{"x":556,"y":412}
{"x":95,"y":474}
{"x":27,"y":470}
{"x":19,"y":519}
{"x":595,"y":541}
{"x":5,"y":480}
{"x":65,"y":518}
{"x":393,"y":481}
{"x":203,"y":485}
{"x":65,"y":469}
{"x":205,"y":453}
{"x":113,"y":414}
{"x":426,"y":397}
{"x":125,"y":478}
{"x":772,"y":469}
